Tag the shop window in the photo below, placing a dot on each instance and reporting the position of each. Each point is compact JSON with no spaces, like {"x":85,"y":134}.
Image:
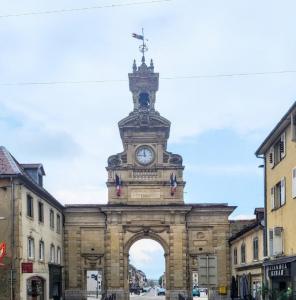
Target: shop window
{"x":235,"y":256}
{"x":52,"y":254}
{"x":51,"y":219}
{"x":41,"y":250}
{"x":243,"y":253}
{"x":30,"y":206}
{"x":255,"y":248}
{"x":31,"y":248}
{"x":58,"y":224}
{"x":40,"y":212}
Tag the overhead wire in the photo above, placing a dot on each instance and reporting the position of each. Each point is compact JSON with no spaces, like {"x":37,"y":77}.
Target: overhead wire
{"x":73,"y":82}
{"x":69,"y":10}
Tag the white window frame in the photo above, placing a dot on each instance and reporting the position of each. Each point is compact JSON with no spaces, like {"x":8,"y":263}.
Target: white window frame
{"x":51,"y":218}
{"x":58,"y":223}
{"x":31,"y":248}
{"x":59,"y":255}
{"x":41,"y":250}
{"x":294,"y":182}
{"x":283,"y":191}
{"x":52,"y":254}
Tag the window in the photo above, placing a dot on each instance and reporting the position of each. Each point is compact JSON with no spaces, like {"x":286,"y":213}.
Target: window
{"x":278,"y":151}
{"x":41,"y":250}
{"x":31,"y":248}
{"x":243,"y":253}
{"x":278,"y":194}
{"x":271,"y":242}
{"x":58,"y":224}
{"x":235,"y":256}
{"x":59,"y":255}
{"x":255,"y":248}
{"x":30,"y":206}
{"x":51,"y":219}
{"x":52,"y":253}
{"x":294,"y":183}
{"x":40,"y":212}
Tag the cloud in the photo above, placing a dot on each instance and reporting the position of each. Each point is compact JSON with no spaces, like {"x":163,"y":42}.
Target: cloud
{"x":242,"y":217}
{"x":144,"y":252}
{"x":227,"y":170}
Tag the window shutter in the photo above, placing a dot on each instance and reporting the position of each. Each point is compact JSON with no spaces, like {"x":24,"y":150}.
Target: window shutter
{"x":293,"y":128}
{"x":294,"y":183}
{"x":283,"y":145}
{"x":270,"y":242}
{"x":283,"y":191}
{"x":272,"y":198}
{"x":271,"y":157}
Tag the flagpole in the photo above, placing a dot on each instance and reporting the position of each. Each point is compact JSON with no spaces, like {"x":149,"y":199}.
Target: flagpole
{"x":143,"y":57}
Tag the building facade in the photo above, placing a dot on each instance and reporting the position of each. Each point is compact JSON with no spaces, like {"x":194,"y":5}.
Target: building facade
{"x":247,"y":253}
{"x":31,"y":227}
{"x":145,"y":200}
{"x":279,"y":153}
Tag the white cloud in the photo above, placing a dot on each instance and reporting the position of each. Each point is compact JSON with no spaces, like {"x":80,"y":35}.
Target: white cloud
{"x":80,"y":121}
{"x":242,"y":217}
{"x":144,"y":252}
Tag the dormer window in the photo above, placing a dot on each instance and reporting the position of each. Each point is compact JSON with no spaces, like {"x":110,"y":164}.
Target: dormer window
{"x":144,"y":100}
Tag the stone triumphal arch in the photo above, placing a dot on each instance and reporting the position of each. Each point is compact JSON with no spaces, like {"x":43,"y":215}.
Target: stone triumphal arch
{"x":145,"y":200}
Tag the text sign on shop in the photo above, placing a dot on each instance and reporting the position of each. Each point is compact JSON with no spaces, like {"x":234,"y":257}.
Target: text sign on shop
{"x":279,"y":270}
{"x":27,"y":267}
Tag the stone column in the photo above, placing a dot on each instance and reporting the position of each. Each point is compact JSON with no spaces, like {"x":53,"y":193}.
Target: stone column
{"x":178,"y":266}
{"x":114,"y":262}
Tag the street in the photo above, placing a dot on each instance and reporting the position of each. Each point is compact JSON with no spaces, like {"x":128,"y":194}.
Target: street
{"x":151,"y":295}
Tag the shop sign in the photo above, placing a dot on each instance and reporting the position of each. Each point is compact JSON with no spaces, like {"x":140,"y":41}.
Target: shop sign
{"x":279,"y":270}
{"x":2,"y":251}
{"x":27,"y":267}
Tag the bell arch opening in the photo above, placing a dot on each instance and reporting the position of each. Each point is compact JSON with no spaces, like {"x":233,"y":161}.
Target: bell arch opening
{"x":146,"y":268}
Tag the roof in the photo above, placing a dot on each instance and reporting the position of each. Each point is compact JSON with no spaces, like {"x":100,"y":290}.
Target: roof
{"x":277,"y":130}
{"x":9,"y":167}
{"x":246,"y":229}
{"x":34,"y":166}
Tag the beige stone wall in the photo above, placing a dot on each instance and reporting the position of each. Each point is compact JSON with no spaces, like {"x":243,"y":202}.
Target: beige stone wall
{"x":284,"y":216}
{"x":247,"y":239}
{"x":31,"y":227}
{"x":205,"y":232}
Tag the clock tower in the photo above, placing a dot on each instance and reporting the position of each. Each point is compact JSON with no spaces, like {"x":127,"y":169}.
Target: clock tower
{"x":145,"y":173}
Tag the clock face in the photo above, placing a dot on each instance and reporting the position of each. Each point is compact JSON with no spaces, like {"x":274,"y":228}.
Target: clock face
{"x":145,"y":155}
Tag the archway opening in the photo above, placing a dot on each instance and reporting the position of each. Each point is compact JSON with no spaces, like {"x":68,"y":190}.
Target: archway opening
{"x":147,"y":270}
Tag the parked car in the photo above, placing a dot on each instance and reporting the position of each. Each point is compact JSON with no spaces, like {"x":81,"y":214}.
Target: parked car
{"x":195,"y":292}
{"x":160,"y":291}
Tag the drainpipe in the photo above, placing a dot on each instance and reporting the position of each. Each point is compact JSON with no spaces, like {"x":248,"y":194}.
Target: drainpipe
{"x":12,"y":264}
{"x":265,"y":235}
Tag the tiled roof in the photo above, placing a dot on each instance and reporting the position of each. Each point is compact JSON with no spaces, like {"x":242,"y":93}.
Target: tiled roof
{"x":8,"y":165}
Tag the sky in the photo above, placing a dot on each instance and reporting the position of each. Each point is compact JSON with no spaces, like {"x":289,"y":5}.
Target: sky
{"x":217,"y":122}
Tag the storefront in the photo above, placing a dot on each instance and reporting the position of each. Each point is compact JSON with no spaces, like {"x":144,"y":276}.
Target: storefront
{"x":35,"y":288}
{"x":281,"y":277}
{"x":55,"y":281}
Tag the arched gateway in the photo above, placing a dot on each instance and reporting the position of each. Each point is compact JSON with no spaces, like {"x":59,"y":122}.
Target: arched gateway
{"x":145,"y":200}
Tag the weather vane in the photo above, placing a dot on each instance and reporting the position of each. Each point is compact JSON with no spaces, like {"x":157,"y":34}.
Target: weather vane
{"x":143,"y":48}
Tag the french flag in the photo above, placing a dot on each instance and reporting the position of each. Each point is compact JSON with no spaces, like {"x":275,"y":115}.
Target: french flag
{"x":173,"y":182}
{"x":118,"y":184}
{"x":138,"y":36}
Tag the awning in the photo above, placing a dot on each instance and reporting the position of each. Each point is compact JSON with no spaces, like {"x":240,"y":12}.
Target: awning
{"x":281,"y":260}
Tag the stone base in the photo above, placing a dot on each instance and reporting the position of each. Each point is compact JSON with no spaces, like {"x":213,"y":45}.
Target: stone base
{"x":174,"y":294}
